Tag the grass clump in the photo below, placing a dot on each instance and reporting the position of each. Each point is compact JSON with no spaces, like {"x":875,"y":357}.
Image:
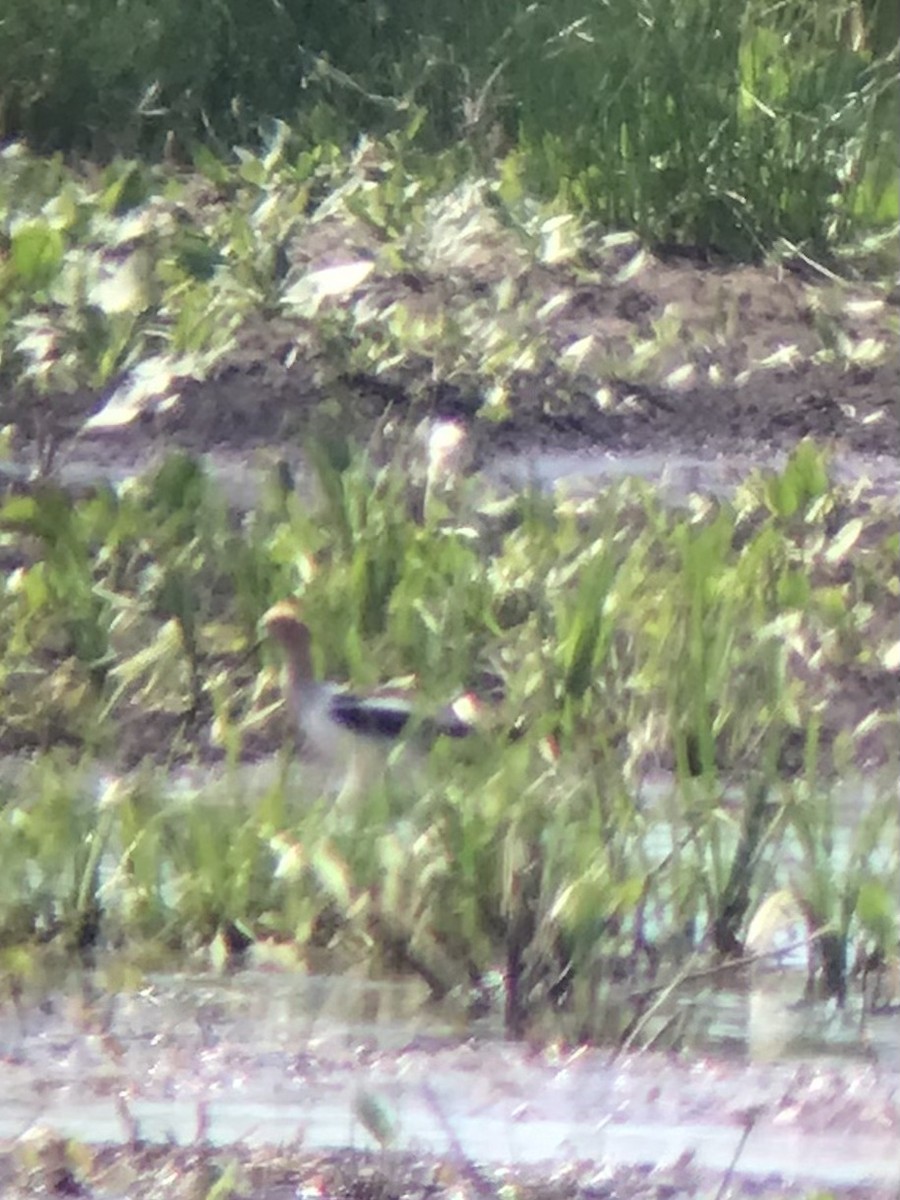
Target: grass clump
{"x":724,"y":125}
{"x":719,"y":639}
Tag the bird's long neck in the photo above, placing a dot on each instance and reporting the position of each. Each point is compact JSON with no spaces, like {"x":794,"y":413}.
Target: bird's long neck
{"x":298,"y":661}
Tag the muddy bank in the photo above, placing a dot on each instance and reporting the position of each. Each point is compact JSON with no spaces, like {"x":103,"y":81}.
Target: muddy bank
{"x":622,"y":351}
{"x":49,"y":1165}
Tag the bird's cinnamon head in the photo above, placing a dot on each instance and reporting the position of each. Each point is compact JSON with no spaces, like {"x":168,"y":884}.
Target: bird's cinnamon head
{"x":283,"y":624}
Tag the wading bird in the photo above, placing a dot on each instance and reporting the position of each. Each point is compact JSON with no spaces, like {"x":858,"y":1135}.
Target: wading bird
{"x":352,"y":732}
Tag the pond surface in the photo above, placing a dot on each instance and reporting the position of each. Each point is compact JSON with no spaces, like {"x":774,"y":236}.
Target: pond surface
{"x":265,"y":1058}
{"x":677,"y":473}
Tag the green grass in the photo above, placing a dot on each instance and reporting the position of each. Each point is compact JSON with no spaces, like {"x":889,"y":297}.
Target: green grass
{"x":714,"y":637}
{"x":729,"y":125}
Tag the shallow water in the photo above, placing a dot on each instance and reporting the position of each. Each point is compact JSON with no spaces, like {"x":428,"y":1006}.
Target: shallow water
{"x":677,"y":474}
{"x":266,"y":1056}
{"x":263,"y":1058}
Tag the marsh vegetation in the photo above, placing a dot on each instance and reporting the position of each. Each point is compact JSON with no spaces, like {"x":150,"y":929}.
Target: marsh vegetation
{"x":747,"y":646}
{"x":312,"y":236}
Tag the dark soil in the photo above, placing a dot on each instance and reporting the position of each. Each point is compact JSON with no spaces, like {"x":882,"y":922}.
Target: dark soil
{"x":750,"y":408}
{"x":734,"y":359}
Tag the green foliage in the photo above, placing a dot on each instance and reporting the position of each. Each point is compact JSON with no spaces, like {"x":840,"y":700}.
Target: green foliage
{"x":131,"y":281}
{"x":621,"y":629}
{"x":50,"y":847}
{"x":722,"y":124}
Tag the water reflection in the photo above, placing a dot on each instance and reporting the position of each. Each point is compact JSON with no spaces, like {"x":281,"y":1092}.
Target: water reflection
{"x":263,"y":1058}
{"x":676,"y":475}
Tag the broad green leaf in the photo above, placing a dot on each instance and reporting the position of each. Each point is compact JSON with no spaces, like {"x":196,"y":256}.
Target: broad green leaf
{"x":876,"y":908}
{"x":37,"y":252}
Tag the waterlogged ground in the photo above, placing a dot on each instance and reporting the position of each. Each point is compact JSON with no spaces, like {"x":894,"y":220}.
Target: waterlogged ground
{"x":267,"y":1085}
{"x":280,"y":1082}
{"x":278,"y":1072}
